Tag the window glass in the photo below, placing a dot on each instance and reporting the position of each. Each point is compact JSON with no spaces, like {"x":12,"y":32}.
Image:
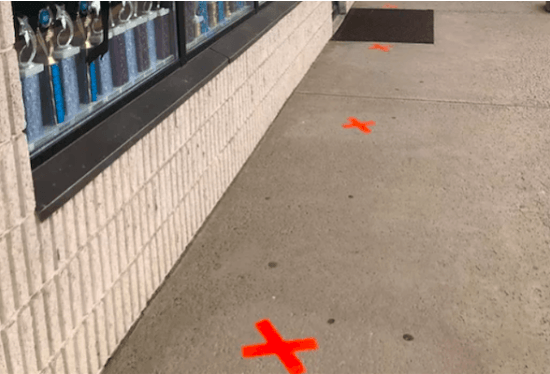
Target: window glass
{"x":206,"y":19}
{"x":61,"y":89}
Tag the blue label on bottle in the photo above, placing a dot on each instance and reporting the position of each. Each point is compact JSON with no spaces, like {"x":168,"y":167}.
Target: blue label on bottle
{"x":93,"y":81}
{"x":58,"y":94}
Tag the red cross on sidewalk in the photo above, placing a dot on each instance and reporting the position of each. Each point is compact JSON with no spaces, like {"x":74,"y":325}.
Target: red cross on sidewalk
{"x":277,"y":346}
{"x":385,"y":48}
{"x":360,"y":125}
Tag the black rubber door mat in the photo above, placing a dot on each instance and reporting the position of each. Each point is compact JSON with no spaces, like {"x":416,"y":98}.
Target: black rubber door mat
{"x":387,"y":25}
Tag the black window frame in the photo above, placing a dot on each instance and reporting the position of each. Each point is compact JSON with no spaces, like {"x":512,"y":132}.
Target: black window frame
{"x":60,"y":176}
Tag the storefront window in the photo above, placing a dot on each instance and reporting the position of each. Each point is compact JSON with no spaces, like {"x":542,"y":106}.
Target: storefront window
{"x":206,"y":19}
{"x":60,"y":87}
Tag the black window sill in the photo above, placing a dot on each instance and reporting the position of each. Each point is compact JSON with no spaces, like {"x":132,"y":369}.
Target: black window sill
{"x":61,"y":177}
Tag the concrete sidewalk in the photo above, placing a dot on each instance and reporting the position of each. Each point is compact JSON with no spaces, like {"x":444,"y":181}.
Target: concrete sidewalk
{"x":436,"y":224}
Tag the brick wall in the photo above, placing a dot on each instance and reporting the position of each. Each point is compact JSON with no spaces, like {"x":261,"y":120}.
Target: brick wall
{"x":72,"y":286}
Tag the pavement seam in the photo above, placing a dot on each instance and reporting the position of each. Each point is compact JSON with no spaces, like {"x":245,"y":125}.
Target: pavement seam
{"x":422,"y":100}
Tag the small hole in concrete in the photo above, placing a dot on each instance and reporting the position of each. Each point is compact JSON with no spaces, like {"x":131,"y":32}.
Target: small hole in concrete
{"x":350,"y":196}
{"x":272,"y":264}
{"x":421,"y":81}
{"x":267,"y":198}
{"x":330,"y":321}
{"x":393,"y":118}
{"x":408,"y":337}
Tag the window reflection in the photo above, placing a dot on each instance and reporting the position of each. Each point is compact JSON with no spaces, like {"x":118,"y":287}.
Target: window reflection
{"x":205,"y":19}
{"x":60,"y":89}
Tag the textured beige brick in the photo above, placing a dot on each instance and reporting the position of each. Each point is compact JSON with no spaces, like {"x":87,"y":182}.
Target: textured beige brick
{"x":119,"y":311}
{"x":180,"y":229}
{"x":92,"y":344}
{"x":110,"y":321}
{"x":165,"y":131}
{"x":193,"y":117}
{"x":6,"y":30}
{"x":120,"y":249}
{"x":167,"y":247}
{"x":51,"y":308}
{"x":64,"y":302}
{"x":151,"y":208}
{"x":144,"y":218}
{"x":125,"y":174}
{"x":186,"y":162}
{"x":59,"y":239}
{"x":137,"y":225}
{"x":188,"y":216}
{"x":14,"y":97}
{"x":3,"y":206}
{"x":171,"y":127}
{"x":201,"y":105}
{"x":32,"y":254}
{"x":95,"y":263}
{"x":88,"y":297}
{"x":155,"y":264}
{"x":156,"y":203}
{"x":134,"y":291}
{"x":160,"y":146}
{"x":71,"y":224}
{"x":81,"y":349}
{"x":154,"y":150}
{"x":109,"y":192}
{"x":18,"y":267}
{"x":5,"y":121}
{"x":21,"y":151}
{"x":161,"y":256}
{"x":206,"y":142}
{"x":10,"y":338}
{"x":40,"y":330}
{"x":117,"y":185}
{"x":57,"y":363}
{"x":108,"y":252}
{"x":139,"y":164}
{"x":178,"y":128}
{"x":100,"y":206}
{"x":148,"y":270}
{"x":146,"y":158}
{"x":177,"y":172}
{"x":130,"y":165}
{"x":46,"y":370}
{"x":169,"y":188}
{"x":142,"y":287}
{"x":3,"y":360}
{"x":10,"y":187}
{"x":128,"y":220}
{"x":7,"y":304}
{"x":126,"y":301}
{"x":90,"y":204}
{"x":76,"y":291}
{"x":69,"y":356}
{"x":101,"y":334}
{"x":161,"y":194}
{"x":171,"y":233}
{"x":26,"y":337}
{"x":195,"y":208}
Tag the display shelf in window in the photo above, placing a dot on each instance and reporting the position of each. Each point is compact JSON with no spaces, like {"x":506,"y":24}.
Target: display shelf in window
{"x":206,"y":19}
{"x":61,"y":89}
